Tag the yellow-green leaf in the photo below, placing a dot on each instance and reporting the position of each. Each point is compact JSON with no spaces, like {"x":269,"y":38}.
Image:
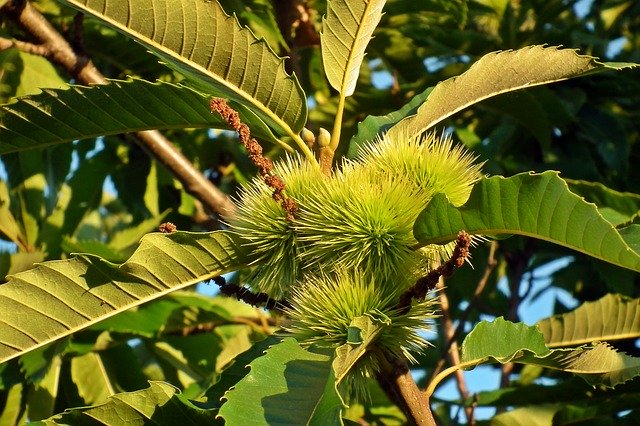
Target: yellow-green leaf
{"x":346,"y":32}
{"x":58,"y":298}
{"x":219,"y":56}
{"x":497,"y":73}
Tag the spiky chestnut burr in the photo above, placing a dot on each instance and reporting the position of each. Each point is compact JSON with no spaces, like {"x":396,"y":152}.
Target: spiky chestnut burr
{"x":431,"y":163}
{"x":360,"y":220}
{"x":267,"y":233}
{"x":324,"y":306}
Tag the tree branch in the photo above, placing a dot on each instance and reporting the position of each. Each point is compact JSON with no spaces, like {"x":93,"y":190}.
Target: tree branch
{"x":54,"y":47}
{"x":396,"y":380}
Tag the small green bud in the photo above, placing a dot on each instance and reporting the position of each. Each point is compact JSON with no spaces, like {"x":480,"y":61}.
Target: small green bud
{"x":308,"y":137}
{"x":324,"y":137}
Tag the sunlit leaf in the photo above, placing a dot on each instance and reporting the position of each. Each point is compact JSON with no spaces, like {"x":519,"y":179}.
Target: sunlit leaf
{"x":58,"y":298}
{"x":541,"y":415}
{"x":534,"y":205}
{"x":218,"y":56}
{"x":79,"y":112}
{"x":503,"y":341}
{"x":90,"y":375}
{"x":617,"y":207}
{"x":346,"y":31}
{"x":613,"y":317}
{"x":287,"y":385}
{"x":493,"y":74}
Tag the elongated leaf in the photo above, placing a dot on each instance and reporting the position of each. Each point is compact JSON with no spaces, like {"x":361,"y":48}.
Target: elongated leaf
{"x":504,"y":341}
{"x":90,"y":375}
{"x":534,"y":205}
{"x":501,"y":72}
{"x":58,"y":298}
{"x":161,"y":403}
{"x":346,"y":31}
{"x":219,"y":56}
{"x":79,"y":112}
{"x":287,"y":385}
{"x":617,"y":207}
{"x":613,"y":317}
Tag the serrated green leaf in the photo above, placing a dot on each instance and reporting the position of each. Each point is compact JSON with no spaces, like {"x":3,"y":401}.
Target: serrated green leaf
{"x":617,"y":207}
{"x":612,"y":317}
{"x":497,"y":73}
{"x":58,"y":298}
{"x":346,"y":31}
{"x":535,"y":205}
{"x":80,"y":112}
{"x":501,"y":340}
{"x":504,"y":341}
{"x":288,"y":385}
{"x":161,"y":403}
{"x":236,"y":370}
{"x":602,"y":364}
{"x":201,"y":41}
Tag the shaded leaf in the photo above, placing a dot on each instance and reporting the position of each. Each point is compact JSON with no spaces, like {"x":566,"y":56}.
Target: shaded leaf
{"x":90,"y":376}
{"x":80,"y":112}
{"x":535,"y":205}
{"x":613,"y":317}
{"x":287,"y":385}
{"x":372,"y":126}
{"x":201,"y":41}
{"x":617,"y":207}
{"x":170,"y":314}
{"x":42,"y":397}
{"x":236,"y":370}
{"x":9,"y":228}
{"x":161,"y":403}
{"x":497,"y":73}
{"x":346,"y":31}
{"x":18,"y":262}
{"x":58,"y":298}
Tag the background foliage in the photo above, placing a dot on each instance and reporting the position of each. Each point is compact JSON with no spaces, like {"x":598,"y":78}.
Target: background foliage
{"x":101,"y":196}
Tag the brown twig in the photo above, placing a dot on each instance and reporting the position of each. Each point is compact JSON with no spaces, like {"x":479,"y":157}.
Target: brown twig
{"x":429,"y":281}
{"x":207,"y":327}
{"x":247,"y":296}
{"x":51,"y":45}
{"x":491,"y":264}
{"x":264,"y":164}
